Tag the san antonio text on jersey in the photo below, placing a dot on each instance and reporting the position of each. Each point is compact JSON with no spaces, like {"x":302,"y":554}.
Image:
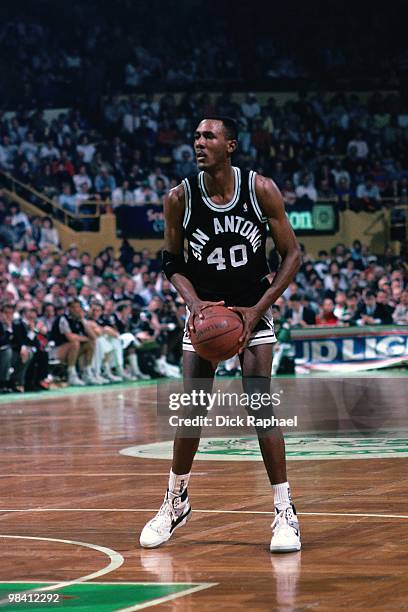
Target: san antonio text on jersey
{"x":226,"y":243}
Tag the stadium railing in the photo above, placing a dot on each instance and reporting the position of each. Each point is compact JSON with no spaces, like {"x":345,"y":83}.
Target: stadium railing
{"x":86,"y":220}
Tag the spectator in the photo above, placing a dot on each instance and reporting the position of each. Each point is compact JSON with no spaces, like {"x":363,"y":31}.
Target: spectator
{"x":326,"y":315}
{"x":105,"y":183}
{"x":368,"y":195}
{"x":123,"y":196}
{"x":372,"y":312}
{"x":360,"y":146}
{"x":85,"y":150}
{"x":306,"y":188}
{"x":74,"y":340}
{"x":49,"y":234}
{"x":67,"y":200}
{"x":299,"y":315}
{"x":400,"y":314}
{"x":145,"y":195}
{"x":82,"y":177}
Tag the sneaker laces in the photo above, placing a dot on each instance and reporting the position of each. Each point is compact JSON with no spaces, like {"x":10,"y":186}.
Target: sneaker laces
{"x":284,"y":516}
{"x":167,"y":511}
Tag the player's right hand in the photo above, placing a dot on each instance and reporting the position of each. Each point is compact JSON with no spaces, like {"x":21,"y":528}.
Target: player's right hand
{"x":196,"y":310}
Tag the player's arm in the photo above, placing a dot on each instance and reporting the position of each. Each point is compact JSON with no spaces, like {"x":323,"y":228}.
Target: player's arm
{"x":174,"y":265}
{"x":272,"y":205}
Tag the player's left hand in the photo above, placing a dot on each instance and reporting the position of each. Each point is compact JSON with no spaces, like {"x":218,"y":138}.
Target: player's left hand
{"x":250,"y":317}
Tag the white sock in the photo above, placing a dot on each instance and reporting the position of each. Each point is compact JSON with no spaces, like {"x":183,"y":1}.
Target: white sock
{"x":72,"y":371}
{"x":281,"y":496}
{"x":178,"y":483}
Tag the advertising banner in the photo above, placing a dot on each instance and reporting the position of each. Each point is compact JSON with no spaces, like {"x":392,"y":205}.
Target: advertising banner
{"x":351,"y":348}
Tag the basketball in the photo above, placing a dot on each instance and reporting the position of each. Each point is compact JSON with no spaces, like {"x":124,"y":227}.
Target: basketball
{"x":216,"y":336}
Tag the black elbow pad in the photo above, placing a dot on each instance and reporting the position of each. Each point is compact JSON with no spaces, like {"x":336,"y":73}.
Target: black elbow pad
{"x":172,"y":264}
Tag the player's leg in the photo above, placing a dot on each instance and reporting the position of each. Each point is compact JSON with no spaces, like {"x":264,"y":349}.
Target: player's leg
{"x":195,"y":370}
{"x":256,"y":363}
{"x":176,"y":510}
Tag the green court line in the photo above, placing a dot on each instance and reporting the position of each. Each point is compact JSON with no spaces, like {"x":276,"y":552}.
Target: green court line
{"x":96,"y":596}
{"x":9,"y":398}
{"x":52,"y":394}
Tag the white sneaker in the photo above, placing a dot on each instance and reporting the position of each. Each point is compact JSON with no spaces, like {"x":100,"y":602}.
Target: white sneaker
{"x":112,"y":377}
{"x":175,"y":511}
{"x":286,"y":532}
{"x":167,"y":369}
{"x":90,"y":379}
{"x":102,"y":380}
{"x":75,"y":381}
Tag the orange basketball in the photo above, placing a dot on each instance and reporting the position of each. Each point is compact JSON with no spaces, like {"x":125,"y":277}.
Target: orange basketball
{"x":216,"y":335}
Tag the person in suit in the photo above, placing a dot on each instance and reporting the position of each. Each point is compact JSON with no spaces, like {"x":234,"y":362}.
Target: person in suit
{"x":374,"y":310}
{"x":299,"y":315}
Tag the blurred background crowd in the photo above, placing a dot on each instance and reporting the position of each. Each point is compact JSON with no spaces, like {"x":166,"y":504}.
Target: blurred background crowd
{"x":111,"y":319}
{"x":331,"y":147}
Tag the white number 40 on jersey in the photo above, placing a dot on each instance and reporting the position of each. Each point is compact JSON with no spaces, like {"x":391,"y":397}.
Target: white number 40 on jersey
{"x":237,"y":254}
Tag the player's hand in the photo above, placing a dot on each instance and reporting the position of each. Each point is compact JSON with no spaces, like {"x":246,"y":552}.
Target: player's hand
{"x":196,"y":310}
{"x":250,"y":317}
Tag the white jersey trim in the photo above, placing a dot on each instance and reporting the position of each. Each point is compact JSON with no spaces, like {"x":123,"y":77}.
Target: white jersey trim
{"x":221,"y":207}
{"x":254,"y":201}
{"x":187,"y":194}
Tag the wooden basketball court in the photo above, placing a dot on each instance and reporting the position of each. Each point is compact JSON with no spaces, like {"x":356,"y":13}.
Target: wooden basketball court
{"x":73,"y":505}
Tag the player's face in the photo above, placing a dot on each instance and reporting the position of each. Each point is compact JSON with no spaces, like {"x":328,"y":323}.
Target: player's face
{"x":211,"y":144}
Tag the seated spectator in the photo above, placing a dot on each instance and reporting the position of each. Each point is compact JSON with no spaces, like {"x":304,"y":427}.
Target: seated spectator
{"x":33,"y":353}
{"x":289,"y":193}
{"x":67,"y":200}
{"x":123,"y":196}
{"x":158,"y":174}
{"x":49,"y":151}
{"x":85,"y":149}
{"x":297,"y":314}
{"x":344,"y":194}
{"x":400,"y":314}
{"x":373,"y":311}
{"x":145,"y":195}
{"x":49,"y":234}
{"x":185,"y":166}
{"x":82,"y":177}
{"x":360,"y":145}
{"x":74,"y":341}
{"x":339,"y":174}
{"x":326,"y":315}
{"x":368,"y":195}
{"x":20,"y":223}
{"x":46,"y":182}
{"x":350,"y":313}
{"x":306,"y":189}
{"x":6,"y":351}
{"x":105,"y":183}
{"x":325,"y":192}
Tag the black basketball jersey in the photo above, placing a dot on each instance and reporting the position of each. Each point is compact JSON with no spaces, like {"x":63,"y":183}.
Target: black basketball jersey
{"x":226,"y":243}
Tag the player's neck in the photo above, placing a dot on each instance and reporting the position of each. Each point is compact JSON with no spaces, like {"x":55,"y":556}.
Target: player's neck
{"x":220,"y":182}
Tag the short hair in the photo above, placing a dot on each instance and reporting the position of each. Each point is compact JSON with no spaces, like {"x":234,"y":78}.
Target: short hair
{"x":230,"y":125}
{"x":72,"y":301}
{"x":295,"y":297}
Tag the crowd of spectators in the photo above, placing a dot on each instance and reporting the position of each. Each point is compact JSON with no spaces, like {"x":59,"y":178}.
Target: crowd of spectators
{"x":330,"y":147}
{"x":53,"y":54}
{"x":116,"y":318}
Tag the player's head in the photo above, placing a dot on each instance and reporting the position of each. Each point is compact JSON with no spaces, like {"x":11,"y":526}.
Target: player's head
{"x":215,"y":140}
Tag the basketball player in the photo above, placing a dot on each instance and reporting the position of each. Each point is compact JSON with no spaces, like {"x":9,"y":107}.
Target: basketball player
{"x":223,"y":213}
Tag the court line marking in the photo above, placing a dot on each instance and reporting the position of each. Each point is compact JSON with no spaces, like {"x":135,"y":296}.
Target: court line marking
{"x":153,"y":602}
{"x":115,"y":561}
{"x":196,"y":510}
{"x":165,"y":598}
